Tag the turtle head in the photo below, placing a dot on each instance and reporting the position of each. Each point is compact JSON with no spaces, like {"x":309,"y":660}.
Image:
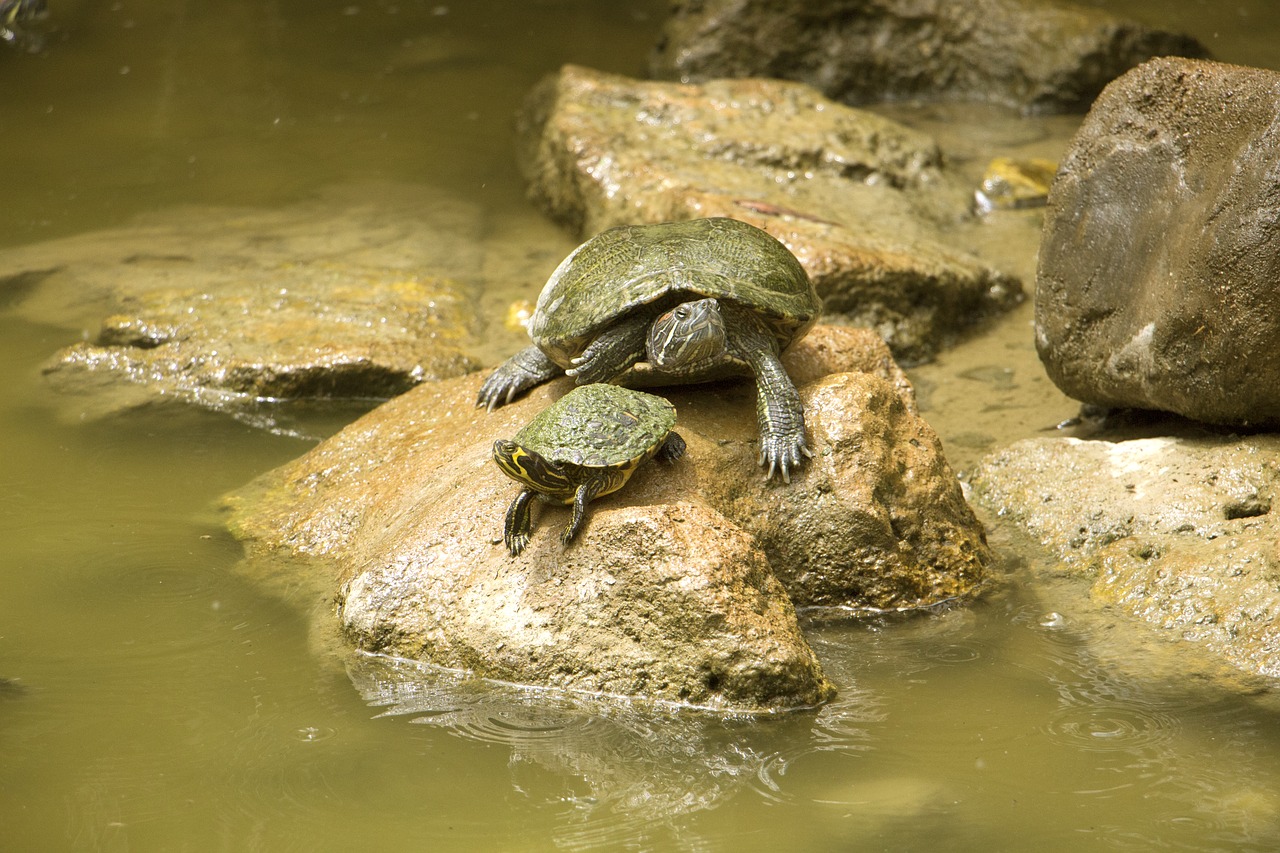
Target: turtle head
{"x":530,"y":468}
{"x":686,"y":337}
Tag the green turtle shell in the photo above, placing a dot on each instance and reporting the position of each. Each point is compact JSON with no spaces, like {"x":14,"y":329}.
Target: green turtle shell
{"x":623,"y":268}
{"x":600,"y":426}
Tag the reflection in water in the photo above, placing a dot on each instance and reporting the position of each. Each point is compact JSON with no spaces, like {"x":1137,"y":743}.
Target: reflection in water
{"x":624,"y":771}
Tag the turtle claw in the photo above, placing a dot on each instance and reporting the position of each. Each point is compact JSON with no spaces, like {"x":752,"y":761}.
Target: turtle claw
{"x":524,"y":370}
{"x":516,"y":543}
{"x":782,"y":456}
{"x":587,"y":369}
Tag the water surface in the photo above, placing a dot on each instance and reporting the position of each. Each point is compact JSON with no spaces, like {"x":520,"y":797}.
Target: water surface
{"x":157,"y":699}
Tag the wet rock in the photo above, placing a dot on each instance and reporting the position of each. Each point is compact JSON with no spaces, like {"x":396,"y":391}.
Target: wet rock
{"x":255,"y":311}
{"x":1156,"y":286}
{"x":1177,"y":532}
{"x":1009,"y":184}
{"x":1036,"y":56}
{"x":878,"y":521}
{"x":672,"y":591}
{"x":303,"y":333}
{"x":866,"y":204}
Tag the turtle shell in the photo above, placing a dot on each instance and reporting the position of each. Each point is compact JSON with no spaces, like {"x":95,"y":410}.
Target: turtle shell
{"x":599,"y":426}
{"x":629,"y":266}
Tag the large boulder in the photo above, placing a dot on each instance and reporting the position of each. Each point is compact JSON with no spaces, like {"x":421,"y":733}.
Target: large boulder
{"x":1036,"y":56}
{"x":1178,"y":532}
{"x":867,"y":205}
{"x":680,"y":587}
{"x":1159,"y":272}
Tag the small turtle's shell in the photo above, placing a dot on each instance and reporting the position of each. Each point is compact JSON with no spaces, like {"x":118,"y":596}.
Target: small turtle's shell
{"x":600,"y":426}
{"x":626,"y":267}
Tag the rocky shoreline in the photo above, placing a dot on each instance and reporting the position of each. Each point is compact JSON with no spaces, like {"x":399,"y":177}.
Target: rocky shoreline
{"x":1155,"y":291}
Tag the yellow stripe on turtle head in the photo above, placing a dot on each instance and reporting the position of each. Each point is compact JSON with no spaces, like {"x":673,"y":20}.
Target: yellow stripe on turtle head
{"x":525,"y":466}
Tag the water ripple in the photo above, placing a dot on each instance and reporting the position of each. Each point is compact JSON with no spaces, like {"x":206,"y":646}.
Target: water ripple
{"x":1111,"y":727}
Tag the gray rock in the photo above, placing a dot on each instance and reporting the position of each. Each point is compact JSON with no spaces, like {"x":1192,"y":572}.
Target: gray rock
{"x":1179,"y":533}
{"x":1036,"y":56}
{"x":672,"y":591}
{"x":1158,"y":271}
{"x":866,"y":204}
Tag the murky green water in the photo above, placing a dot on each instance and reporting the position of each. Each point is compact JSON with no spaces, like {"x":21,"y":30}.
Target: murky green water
{"x":157,"y":700}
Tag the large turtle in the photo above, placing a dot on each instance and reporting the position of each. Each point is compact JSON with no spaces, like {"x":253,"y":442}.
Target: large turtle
{"x":696,"y":300}
{"x":584,"y":445}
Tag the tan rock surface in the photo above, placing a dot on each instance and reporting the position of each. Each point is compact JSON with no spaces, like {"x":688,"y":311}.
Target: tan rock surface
{"x":672,"y":591}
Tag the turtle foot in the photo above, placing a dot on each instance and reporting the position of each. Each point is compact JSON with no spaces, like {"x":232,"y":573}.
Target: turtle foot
{"x":783,"y":454}
{"x":516,"y":543}
{"x":524,"y":370}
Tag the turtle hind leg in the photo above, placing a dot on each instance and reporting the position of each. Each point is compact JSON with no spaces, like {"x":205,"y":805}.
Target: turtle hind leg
{"x":519,"y":523}
{"x":526,"y":369}
{"x":672,"y":449}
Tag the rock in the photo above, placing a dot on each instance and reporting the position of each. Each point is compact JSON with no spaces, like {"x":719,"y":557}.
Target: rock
{"x":349,"y":333}
{"x":1035,"y":56}
{"x":1177,"y":532}
{"x":1156,"y":286}
{"x":672,"y":591}
{"x":865,"y":203}
{"x":1009,"y":184}
{"x":255,"y":312}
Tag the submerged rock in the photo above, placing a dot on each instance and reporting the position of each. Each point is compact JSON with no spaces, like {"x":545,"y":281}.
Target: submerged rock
{"x":1158,"y":270}
{"x":1037,"y":56}
{"x":255,"y":312}
{"x":866,"y":204}
{"x":1180,"y":533}
{"x":673,"y":590}
{"x":304,"y":333}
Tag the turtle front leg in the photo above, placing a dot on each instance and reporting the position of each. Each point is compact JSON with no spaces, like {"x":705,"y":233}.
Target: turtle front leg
{"x":524,"y":370}
{"x":584,"y":494}
{"x":783,"y":447}
{"x":519,"y":524}
{"x":613,"y":351}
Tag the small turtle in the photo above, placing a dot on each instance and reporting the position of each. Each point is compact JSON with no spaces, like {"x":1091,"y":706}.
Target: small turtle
{"x":584,"y":445}
{"x":696,"y":300}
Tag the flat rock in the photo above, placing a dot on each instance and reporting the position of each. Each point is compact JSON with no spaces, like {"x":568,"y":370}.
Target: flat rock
{"x":1158,"y":270}
{"x":1179,"y":533}
{"x":866,"y":204}
{"x":250,"y":311}
{"x":308,"y":332}
{"x":680,"y":587}
{"x":1035,"y":56}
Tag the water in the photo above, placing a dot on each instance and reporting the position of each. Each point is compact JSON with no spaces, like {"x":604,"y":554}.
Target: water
{"x":153,"y":698}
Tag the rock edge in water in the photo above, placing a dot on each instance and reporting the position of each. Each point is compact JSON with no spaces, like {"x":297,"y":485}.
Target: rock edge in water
{"x":681,"y":587}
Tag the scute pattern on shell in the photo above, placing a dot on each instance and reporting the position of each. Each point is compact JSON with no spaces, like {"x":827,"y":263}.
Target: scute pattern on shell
{"x":632,"y":265}
{"x":599,"y":425}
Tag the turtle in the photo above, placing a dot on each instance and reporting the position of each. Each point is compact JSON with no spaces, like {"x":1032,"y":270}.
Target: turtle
{"x":671,"y":302}
{"x":586,"y":444}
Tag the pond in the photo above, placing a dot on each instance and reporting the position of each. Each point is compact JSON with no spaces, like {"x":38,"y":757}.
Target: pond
{"x":153,"y":697}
